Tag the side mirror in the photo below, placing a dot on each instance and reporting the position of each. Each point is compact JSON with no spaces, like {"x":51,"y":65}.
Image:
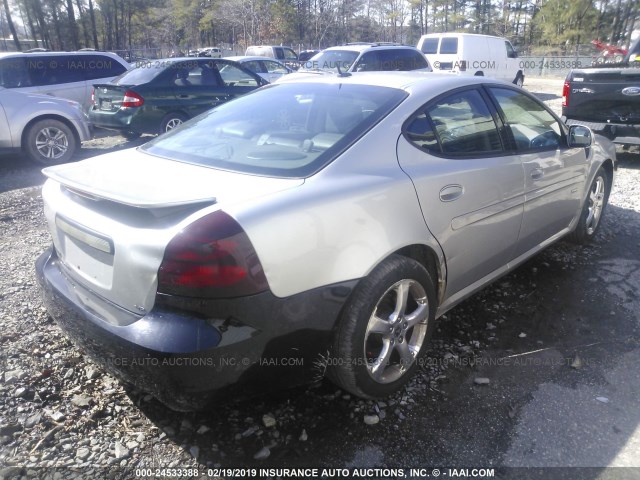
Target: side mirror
{"x":579,"y":136}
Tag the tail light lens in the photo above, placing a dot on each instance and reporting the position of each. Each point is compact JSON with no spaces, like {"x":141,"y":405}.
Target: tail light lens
{"x":565,"y":94}
{"x":211,"y":258}
{"x":132,"y":99}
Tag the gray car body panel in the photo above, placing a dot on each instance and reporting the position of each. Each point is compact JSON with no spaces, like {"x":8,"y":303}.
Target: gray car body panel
{"x":19,"y":109}
{"x":374,"y":199}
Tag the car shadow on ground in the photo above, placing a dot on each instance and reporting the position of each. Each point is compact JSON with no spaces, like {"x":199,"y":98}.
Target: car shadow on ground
{"x":557,"y":341}
{"x":25,"y":173}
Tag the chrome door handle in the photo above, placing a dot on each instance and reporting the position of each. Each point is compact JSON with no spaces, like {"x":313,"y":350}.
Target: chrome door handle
{"x":537,"y":173}
{"x":450,"y":193}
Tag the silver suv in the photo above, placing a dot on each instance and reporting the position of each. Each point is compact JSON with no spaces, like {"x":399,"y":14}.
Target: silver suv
{"x":367,"y":57}
{"x":60,"y":74}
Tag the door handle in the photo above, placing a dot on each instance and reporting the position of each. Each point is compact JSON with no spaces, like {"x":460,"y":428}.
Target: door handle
{"x":450,"y":193}
{"x":537,"y":173}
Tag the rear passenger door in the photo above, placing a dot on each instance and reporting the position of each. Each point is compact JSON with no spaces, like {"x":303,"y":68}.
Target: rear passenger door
{"x":554,"y":174}
{"x":197,"y":86}
{"x":470,"y":189}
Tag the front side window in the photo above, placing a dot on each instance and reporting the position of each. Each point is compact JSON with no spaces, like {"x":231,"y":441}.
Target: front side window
{"x":284,"y":130}
{"x":55,"y":70}
{"x":458,"y":125}
{"x":274,"y":67}
{"x":532,"y":126}
{"x":511,"y":52}
{"x":369,"y":62}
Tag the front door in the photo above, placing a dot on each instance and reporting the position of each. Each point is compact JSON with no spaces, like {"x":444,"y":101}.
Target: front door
{"x":470,"y":191}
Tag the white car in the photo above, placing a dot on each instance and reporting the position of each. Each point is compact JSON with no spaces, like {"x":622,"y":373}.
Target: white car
{"x":48,"y":129}
{"x":268,"y":68}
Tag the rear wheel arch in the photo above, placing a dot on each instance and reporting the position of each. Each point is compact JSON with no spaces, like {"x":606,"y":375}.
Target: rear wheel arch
{"x":429,"y":260}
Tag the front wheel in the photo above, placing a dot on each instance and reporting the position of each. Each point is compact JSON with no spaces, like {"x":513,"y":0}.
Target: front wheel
{"x":50,"y":142}
{"x":383,"y":329}
{"x":593,"y":209}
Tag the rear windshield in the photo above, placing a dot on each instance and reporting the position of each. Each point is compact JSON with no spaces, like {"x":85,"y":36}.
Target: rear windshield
{"x":449,"y":45}
{"x":430,"y":45}
{"x":284,"y":130}
{"x":331,"y":60}
{"x":144,"y":72}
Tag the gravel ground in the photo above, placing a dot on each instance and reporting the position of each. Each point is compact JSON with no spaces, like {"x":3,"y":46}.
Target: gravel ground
{"x":59,"y":410}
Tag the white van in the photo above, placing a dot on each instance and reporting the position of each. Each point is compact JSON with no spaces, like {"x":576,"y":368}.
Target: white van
{"x":471,"y":54}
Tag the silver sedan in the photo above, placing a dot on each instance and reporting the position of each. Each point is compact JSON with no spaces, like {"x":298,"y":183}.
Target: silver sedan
{"x":312,"y":228}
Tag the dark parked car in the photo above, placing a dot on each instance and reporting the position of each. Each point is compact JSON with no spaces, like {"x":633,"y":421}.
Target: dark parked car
{"x":161,"y":94}
{"x":306,"y":55}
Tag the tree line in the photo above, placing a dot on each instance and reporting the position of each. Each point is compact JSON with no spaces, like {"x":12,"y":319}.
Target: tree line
{"x":184,"y":24}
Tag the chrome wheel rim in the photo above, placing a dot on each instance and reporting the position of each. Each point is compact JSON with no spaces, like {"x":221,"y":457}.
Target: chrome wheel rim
{"x":396,"y":331}
{"x":173,"y":123}
{"x":52,"y":143}
{"x":595,"y":206}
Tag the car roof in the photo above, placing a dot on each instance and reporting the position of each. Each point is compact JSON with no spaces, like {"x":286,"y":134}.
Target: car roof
{"x":360,"y":47}
{"x":410,"y":81}
{"x":250,"y":58}
{"x":48,"y":54}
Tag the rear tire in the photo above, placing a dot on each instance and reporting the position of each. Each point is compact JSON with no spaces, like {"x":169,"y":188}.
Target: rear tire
{"x":593,"y":209}
{"x":171,"y":121}
{"x":131,"y":135}
{"x":50,"y":142}
{"x":383,"y":329}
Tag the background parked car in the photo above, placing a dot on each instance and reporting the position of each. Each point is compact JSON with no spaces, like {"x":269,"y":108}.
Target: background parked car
{"x":162,"y":94}
{"x":367,"y":57}
{"x":285,"y":54}
{"x":61,"y":74}
{"x":211,"y":52}
{"x":313,"y":227}
{"x":49,"y":130}
{"x":268,"y":68}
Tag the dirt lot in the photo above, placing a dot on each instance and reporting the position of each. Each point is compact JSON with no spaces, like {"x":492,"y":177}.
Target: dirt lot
{"x":557,"y":341}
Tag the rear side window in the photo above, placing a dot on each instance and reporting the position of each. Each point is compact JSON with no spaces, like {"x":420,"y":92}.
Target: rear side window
{"x":430,"y":45}
{"x":457,"y":125}
{"x":401,"y":60}
{"x":55,"y":70}
{"x":449,"y":45}
{"x":99,"y":66}
{"x":14,"y":73}
{"x":143,"y":73}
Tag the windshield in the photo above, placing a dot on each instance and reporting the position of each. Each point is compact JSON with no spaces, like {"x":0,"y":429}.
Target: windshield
{"x":284,"y":130}
{"x":330,"y":60}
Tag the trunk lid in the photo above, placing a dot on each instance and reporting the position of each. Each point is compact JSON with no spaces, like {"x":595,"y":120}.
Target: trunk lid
{"x":111,"y":217}
{"x":108,"y":97}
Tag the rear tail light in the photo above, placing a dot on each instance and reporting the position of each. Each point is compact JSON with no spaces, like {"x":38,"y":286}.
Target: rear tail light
{"x":565,"y":94}
{"x":93,"y":96}
{"x":132,"y":99}
{"x":211,"y":258}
